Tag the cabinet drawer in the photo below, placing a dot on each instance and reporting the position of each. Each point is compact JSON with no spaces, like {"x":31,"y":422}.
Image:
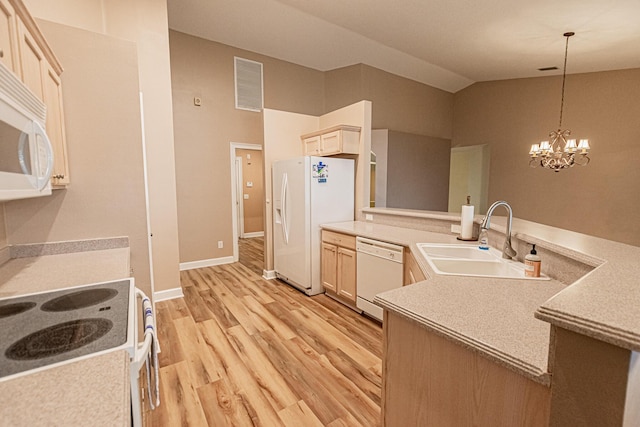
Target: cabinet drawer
{"x":339,"y":239}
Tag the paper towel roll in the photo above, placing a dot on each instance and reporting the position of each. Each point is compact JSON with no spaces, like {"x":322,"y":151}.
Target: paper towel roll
{"x":467,"y":222}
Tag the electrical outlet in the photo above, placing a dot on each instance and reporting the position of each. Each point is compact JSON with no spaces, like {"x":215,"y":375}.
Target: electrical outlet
{"x":220,"y":244}
{"x":456,"y":228}
{"x":246,"y":197}
{"x":368,"y":217}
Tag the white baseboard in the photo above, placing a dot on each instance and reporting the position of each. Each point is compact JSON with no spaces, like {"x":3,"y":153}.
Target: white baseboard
{"x":168,"y":294}
{"x":205,"y":263}
{"x":254,"y":234}
{"x":269,"y":274}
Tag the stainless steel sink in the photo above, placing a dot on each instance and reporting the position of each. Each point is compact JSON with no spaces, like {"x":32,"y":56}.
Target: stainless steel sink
{"x":469,"y":260}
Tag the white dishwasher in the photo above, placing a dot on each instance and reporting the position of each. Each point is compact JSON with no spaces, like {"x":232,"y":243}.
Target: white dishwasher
{"x":379,"y":269}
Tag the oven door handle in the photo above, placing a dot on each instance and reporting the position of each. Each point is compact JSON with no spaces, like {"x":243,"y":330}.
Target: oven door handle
{"x":142,"y":349}
{"x":146,"y":353}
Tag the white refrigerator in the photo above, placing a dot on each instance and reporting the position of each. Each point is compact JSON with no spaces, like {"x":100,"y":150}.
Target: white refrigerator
{"x":307,"y":191}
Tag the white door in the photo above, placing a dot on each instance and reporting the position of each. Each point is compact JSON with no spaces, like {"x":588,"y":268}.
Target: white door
{"x":239,"y":197}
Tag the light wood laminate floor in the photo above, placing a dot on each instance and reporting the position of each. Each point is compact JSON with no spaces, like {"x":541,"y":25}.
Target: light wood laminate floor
{"x":239,"y":350}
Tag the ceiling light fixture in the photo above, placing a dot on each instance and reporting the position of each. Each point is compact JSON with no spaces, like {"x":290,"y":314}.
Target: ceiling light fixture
{"x":561,"y":152}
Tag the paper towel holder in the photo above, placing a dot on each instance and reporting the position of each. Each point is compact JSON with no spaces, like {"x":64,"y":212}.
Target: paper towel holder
{"x":459,"y":237}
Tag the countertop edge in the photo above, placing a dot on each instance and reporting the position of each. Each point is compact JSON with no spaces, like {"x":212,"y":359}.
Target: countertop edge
{"x":614,"y":336}
{"x":564,"y":309}
{"x":532,"y":372}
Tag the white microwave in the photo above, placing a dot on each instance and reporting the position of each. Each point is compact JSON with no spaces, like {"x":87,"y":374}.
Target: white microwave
{"x":26,"y":156}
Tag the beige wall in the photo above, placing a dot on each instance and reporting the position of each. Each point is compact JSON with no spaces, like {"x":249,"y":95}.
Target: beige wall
{"x":253,"y":207}
{"x":417,"y":171}
{"x":601,"y":199}
{"x":3,"y":233}
{"x":203,"y":134}
{"x":106,"y":197}
{"x":145,"y":23}
{"x":398,"y":103}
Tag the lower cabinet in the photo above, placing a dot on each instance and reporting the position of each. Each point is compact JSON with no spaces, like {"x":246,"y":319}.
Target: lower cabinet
{"x":339,"y":265}
{"x":412,"y":271}
{"x":429,"y":380}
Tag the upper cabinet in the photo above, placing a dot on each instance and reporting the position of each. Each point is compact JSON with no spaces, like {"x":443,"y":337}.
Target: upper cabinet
{"x":8,"y":36}
{"x":24,"y":50}
{"x":336,"y":140}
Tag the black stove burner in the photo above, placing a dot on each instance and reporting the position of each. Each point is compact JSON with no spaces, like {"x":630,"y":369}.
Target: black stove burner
{"x":16,"y":308}
{"x":58,"y":339}
{"x":80,"y":299}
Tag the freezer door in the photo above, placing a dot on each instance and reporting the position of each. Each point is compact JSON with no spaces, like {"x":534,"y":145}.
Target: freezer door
{"x":291,"y":255}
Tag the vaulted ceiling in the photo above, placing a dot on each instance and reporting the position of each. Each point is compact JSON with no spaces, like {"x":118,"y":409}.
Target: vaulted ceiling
{"x":447,"y":44}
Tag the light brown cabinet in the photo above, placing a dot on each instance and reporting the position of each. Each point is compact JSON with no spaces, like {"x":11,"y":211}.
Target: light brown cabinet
{"x":32,"y":62}
{"x":432,"y":381}
{"x":412,"y":271}
{"x":8,"y":36}
{"x":328,"y":142}
{"x":338,"y":273}
{"x":24,"y":50}
{"x":55,"y":126}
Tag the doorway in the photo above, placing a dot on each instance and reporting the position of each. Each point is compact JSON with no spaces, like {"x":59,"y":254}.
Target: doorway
{"x":469,"y":176}
{"x":247,"y":193}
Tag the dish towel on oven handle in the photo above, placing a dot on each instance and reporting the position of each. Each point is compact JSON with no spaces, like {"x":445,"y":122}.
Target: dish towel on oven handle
{"x":152,"y":355}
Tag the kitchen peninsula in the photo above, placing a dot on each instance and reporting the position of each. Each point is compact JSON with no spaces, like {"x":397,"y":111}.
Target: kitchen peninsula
{"x":523,"y":352}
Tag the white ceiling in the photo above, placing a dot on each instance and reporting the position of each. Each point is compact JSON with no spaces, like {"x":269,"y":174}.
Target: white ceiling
{"x":448,"y":44}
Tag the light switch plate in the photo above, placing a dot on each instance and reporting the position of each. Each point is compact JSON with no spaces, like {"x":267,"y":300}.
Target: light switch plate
{"x":246,"y":197}
{"x":456,"y":228}
{"x":368,"y":217}
{"x":249,"y":184}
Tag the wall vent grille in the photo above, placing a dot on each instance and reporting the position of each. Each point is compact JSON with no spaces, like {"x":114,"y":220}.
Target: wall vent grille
{"x":248,"y":82}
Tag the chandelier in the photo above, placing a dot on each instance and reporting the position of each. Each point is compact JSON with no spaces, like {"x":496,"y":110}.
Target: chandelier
{"x":560,"y":151}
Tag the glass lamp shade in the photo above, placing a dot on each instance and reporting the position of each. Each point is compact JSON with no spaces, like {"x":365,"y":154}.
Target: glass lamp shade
{"x":570,"y":147}
{"x":583,"y":146}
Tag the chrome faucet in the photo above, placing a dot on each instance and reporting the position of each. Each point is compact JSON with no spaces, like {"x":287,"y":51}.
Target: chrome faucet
{"x":507,"y":251}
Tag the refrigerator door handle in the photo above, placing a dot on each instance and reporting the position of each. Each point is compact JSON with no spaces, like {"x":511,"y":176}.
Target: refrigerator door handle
{"x":285,"y":187}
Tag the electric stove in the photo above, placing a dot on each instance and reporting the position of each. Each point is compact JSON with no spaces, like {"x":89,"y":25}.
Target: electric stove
{"x":41,"y":330}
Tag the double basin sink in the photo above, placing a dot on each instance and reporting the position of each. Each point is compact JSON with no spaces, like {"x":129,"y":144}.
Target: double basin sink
{"x":468,"y":260}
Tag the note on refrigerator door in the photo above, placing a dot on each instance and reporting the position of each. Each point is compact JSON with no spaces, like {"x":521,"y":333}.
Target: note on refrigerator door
{"x":320,"y":171}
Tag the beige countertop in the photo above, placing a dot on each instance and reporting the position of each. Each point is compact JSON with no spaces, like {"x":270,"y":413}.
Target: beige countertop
{"x":84,"y":391}
{"x":492,"y":316}
{"x":92,"y":391}
{"x":507,"y":319}
{"x":28,"y":274}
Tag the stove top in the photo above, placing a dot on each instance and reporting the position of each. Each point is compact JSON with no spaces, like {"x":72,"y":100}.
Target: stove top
{"x":41,"y":329}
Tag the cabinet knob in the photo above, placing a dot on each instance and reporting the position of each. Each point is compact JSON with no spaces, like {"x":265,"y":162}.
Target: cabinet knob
{"x":1,"y":53}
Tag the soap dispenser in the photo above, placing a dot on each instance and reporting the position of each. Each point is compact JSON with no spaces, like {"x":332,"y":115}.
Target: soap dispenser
{"x":532,"y":263}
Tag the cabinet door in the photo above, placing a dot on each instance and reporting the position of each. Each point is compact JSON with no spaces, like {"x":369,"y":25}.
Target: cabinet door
{"x":8,"y":36}
{"x":412,"y":271}
{"x":347,"y":274}
{"x":329,"y":267}
{"x":312,"y":146}
{"x":32,"y":62}
{"x":55,"y":126}
{"x":331,"y":143}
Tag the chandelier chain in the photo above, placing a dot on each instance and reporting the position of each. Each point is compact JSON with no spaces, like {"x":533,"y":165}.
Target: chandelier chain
{"x":564,"y":77}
